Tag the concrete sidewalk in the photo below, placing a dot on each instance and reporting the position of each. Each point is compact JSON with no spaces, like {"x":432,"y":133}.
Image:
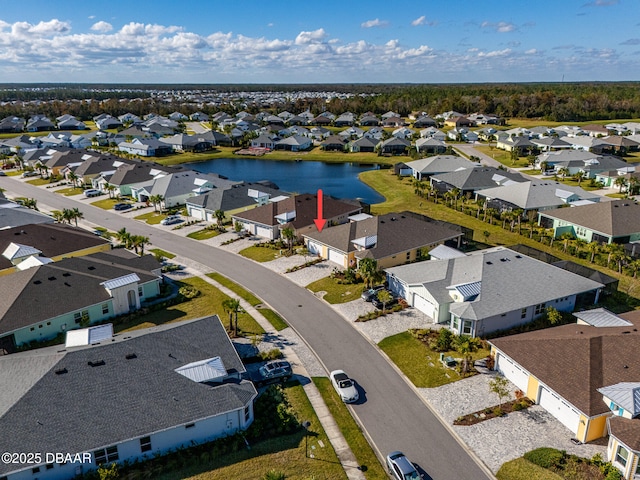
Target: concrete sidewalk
{"x":274,"y":339}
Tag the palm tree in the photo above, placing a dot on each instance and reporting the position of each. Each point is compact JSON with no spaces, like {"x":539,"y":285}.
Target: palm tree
{"x":138,"y":242}
{"x":289,"y":234}
{"x":491,"y":213}
{"x":385,"y":297}
{"x":616,"y":254}
{"x":579,"y":177}
{"x":232,"y":306}
{"x":77,"y":215}
{"x":518,"y":217}
{"x":31,"y":203}
{"x":156,"y":200}
{"x":455,"y":194}
{"x":592,"y":248}
{"x":564,"y":171}
{"x":368,"y":270}
{"x":58,"y":216}
{"x":67,"y":215}
{"x":73,"y":178}
{"x":123,"y":237}
{"x":620,"y":182}
{"x":566,"y":238}
{"x":633,"y":185}
{"x":220,"y":216}
{"x":107,"y":186}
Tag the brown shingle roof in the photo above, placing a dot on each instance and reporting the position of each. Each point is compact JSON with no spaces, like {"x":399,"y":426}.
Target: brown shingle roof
{"x":615,"y":218}
{"x":626,"y":430}
{"x":575,"y":360}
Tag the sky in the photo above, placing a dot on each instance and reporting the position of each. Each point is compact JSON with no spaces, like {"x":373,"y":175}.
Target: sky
{"x":323,"y":41}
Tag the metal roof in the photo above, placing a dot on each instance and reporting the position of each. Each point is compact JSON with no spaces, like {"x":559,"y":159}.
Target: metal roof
{"x":468,"y":290}
{"x":601,"y":317}
{"x":121,"y":281}
{"x":208,"y":370}
{"x":89,"y":336}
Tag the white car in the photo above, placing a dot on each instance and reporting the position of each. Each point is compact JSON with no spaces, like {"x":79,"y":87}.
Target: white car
{"x":92,"y":192}
{"x":345,"y":387}
{"x":170,"y":220}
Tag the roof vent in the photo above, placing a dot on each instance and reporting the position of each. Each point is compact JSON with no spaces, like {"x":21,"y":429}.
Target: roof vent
{"x":91,"y":267}
{"x":96,"y":363}
{"x":626,"y":331}
{"x":51,"y":278}
{"x":505,"y":259}
{"x":67,"y":284}
{"x":66,"y":274}
{"x":615,"y":206}
{"x":489,"y":263}
{"x":518,"y":256}
{"x":61,"y":371}
{"x":37,"y":282}
{"x":130,"y":356}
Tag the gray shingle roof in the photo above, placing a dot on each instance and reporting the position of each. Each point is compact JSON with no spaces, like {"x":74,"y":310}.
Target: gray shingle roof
{"x":616,"y":218}
{"x":478,"y":178}
{"x":231,"y":198}
{"x":537,"y":194}
{"x":14,"y":215}
{"x":439,"y":164}
{"x":90,"y":407}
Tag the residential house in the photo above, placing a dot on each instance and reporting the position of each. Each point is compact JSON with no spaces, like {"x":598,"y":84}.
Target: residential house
{"x":389,"y":114}
{"x":54,"y":241}
{"x":199,"y":117}
{"x":346,"y":119}
{"x":391,"y":239}
{"x":69,"y":122}
{"x":617,"y":221}
{"x":403,"y":132}
{"x":181,"y":142}
{"x":521,"y":144}
{"x":430,"y":146}
{"x":424,"y":121}
{"x":426,"y":167}
{"x":547,"y":144}
{"x":369,"y":120}
{"x":319,"y":133}
{"x":175,"y":188}
{"x":178,"y":117}
{"x":39,"y":123}
{"x":56,"y":297}
{"x":263,"y":141}
{"x":297,"y":120}
{"x":578,"y":161}
{"x":363,"y":144}
{"x":489,"y":290}
{"x":129,"y":177}
{"x":95,"y":165}
{"x":297,"y":212}
{"x":535,"y":195}
{"x":432,"y":132}
{"x":458,"y":122}
{"x":238,"y":198}
{"x":294,"y":143}
{"x":629,"y":178}
{"x":217,"y":138}
{"x":145,"y":147}
{"x":471,"y":180}
{"x":130,"y":119}
{"x":585,"y":375}
{"x":12,"y":124}
{"x":57,"y":160}
{"x":186,"y":377}
{"x":105,"y":121}
{"x":486,"y":133}
{"x":333,"y":143}
{"x":587,"y":143}
{"x":351,"y":132}
{"x":394,"y":146}
{"x":375,"y":132}
{"x":391,"y":122}
{"x":595,"y":130}
{"x":13,"y":214}
{"x":462,"y":134}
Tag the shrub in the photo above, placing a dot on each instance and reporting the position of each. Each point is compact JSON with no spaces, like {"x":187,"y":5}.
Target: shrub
{"x":272,"y":354}
{"x":545,"y":457}
{"x":444,"y":340}
{"x":188,"y":291}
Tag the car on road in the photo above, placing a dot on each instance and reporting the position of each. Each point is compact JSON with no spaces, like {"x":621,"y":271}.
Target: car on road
{"x":369,"y":294}
{"x":378,"y":304}
{"x":274,"y":371}
{"x":170,"y":220}
{"x":401,"y":468}
{"x":122,"y":206}
{"x":345,"y":387}
{"x":92,"y":192}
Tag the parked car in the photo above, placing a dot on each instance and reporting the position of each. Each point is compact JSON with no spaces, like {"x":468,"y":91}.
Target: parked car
{"x":272,"y":372}
{"x":378,"y":304}
{"x":2,"y":174}
{"x":369,"y":294}
{"x":401,"y":468}
{"x":32,"y":173}
{"x":345,"y":387}
{"x":122,"y":206}
{"x":92,"y":192}
{"x":170,"y":220}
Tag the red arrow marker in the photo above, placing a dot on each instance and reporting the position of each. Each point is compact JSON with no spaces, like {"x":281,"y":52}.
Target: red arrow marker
{"x":319,"y":221}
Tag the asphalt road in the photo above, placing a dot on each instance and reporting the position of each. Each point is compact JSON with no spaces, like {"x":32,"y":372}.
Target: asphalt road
{"x":392,"y":413}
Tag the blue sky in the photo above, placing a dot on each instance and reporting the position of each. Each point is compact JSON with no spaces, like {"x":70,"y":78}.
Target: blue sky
{"x":325,"y":41}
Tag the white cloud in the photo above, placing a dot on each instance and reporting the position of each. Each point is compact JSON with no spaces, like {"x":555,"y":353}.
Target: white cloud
{"x":495,"y":53}
{"x":500,"y":27}
{"x":374,"y":23}
{"x":420,"y":21}
{"x":102,"y":27}
{"x":316,"y":36}
{"x":531,"y":51}
{"x":91,"y":17}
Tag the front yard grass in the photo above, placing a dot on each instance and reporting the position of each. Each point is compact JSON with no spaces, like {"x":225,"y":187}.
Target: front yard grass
{"x":204,"y":234}
{"x":234,"y":287}
{"x":419,"y":363}
{"x":274,"y":319}
{"x":283,"y":453}
{"x":69,"y":191}
{"x":260,"y":254}
{"x":151,"y":218}
{"x":39,"y":181}
{"x":106,"y":203}
{"x":521,"y":469}
{"x":351,"y":431}
{"x":337,"y":293}
{"x":209,"y":302}
{"x":162,"y":253}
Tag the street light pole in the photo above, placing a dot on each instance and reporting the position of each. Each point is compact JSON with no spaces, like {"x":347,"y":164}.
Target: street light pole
{"x":306,"y":424}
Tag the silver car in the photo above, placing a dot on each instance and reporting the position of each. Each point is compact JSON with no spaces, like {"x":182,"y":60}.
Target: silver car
{"x":345,"y":387}
{"x":401,"y":468}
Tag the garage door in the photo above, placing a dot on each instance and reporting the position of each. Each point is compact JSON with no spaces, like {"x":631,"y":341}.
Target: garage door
{"x":424,"y":305}
{"x":314,"y":248}
{"x":513,"y":372}
{"x":196,"y":213}
{"x":264,"y":232}
{"x":336,"y":257}
{"x":560,"y":409}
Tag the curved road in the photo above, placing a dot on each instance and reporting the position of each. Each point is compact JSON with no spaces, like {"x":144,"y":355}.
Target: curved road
{"x":393,"y":415}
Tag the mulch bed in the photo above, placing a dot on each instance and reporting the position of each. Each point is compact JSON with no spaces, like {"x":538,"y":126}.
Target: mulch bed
{"x":492,"y":412}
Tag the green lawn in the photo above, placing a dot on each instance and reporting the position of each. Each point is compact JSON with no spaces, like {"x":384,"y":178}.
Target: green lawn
{"x":234,"y":287}
{"x":521,"y":469}
{"x":274,"y":319}
{"x":163,"y":253}
{"x":285,"y":454}
{"x":106,"y":203}
{"x":151,"y":218}
{"x":260,"y":254}
{"x":38,"y":181}
{"x":69,"y":192}
{"x":337,"y":293}
{"x":204,"y":234}
{"x":209,"y":302}
{"x":351,"y":431}
{"x":502,"y":156}
{"x":420,"y":364}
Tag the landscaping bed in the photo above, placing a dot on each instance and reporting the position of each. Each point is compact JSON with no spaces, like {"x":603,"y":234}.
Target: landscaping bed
{"x":493,"y":412}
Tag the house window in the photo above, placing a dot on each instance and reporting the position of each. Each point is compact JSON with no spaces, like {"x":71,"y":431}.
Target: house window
{"x":48,"y":323}
{"x":106,"y":455}
{"x":622,"y":454}
{"x":190,"y":425}
{"x":419,"y":253}
{"x":539,"y":309}
{"x":32,"y":329}
{"x":467,"y":326}
{"x":247,"y":412}
{"x":139,"y":291}
{"x":523,"y":313}
{"x":105,"y":308}
{"x":145,"y":444}
{"x":408,"y":256}
{"x":455,"y":324}
{"x":77,"y":317}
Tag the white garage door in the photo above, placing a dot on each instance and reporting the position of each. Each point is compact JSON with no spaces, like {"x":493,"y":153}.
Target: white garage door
{"x":196,"y":213}
{"x":336,"y":257}
{"x":513,"y":372}
{"x":560,"y":409}
{"x":314,"y":248}
{"x":264,"y":232}
{"x":424,"y":305}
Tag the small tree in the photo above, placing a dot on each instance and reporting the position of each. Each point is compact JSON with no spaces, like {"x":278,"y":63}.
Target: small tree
{"x":232,"y":307}
{"x":289,"y":234}
{"x":500,"y":386}
{"x":220,"y":216}
{"x":553,"y":315}
{"x":385,"y":297}
{"x":108,"y":473}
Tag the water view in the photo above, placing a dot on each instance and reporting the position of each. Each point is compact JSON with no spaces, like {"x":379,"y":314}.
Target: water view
{"x":336,"y":179}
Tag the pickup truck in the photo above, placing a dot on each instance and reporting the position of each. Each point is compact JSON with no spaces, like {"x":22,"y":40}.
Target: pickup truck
{"x":274,"y":371}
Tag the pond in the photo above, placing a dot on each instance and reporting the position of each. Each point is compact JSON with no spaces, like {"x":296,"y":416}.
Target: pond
{"x":339,"y":180}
